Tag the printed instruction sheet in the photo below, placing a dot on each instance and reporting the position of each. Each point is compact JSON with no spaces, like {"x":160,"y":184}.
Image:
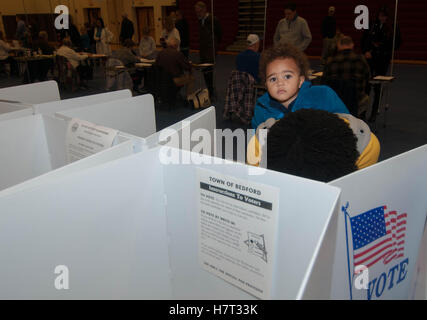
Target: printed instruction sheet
{"x":237,"y":222}
{"x":85,"y":138}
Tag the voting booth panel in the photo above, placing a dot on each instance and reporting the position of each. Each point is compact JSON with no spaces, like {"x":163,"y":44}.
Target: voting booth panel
{"x":12,"y":109}
{"x":50,"y":108}
{"x":37,"y":145}
{"x":380,"y":227}
{"x":196,"y":130}
{"x":25,"y":152}
{"x":252,"y":227}
{"x":419,"y":283}
{"x":133,"y":115}
{"x":32,"y":93}
{"x":100,"y":233}
{"x":129,"y":229}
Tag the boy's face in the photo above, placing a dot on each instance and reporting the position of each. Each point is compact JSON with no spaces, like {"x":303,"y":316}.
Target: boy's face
{"x":283,"y":80}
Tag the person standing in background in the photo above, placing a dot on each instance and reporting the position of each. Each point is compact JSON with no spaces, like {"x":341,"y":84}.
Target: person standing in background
{"x":293,"y":29}
{"x":208,"y":43}
{"x":21,"y":32}
{"x":329,"y":28}
{"x":90,"y":32}
{"x":84,"y":40}
{"x":182,"y":25}
{"x":127,"y":29}
{"x":377,"y":46}
{"x":103,"y":37}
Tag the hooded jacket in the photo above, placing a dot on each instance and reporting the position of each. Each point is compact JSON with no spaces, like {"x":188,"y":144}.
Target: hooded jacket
{"x":309,"y":97}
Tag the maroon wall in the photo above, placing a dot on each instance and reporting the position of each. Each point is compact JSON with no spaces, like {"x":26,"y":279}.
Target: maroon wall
{"x":227,"y":12}
{"x":412,"y":20}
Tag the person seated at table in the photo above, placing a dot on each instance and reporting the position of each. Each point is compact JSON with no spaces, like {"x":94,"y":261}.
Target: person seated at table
{"x":175,"y":63}
{"x":41,"y":46}
{"x":316,"y":144}
{"x":248,"y":60}
{"x":284,"y":70}
{"x":42,"y":43}
{"x":77,"y":61}
{"x":4,"y":55}
{"x":126,"y":55}
{"x":349,"y":65}
{"x":170,"y":31}
{"x":147,"y":45}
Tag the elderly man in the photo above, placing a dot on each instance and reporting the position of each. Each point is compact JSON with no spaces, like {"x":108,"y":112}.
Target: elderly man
{"x":175,"y":63}
{"x":248,"y":60}
{"x":293,"y":29}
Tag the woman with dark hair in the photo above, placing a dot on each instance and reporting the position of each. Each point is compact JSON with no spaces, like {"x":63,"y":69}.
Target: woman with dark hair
{"x":377,"y":46}
{"x":103,"y":38}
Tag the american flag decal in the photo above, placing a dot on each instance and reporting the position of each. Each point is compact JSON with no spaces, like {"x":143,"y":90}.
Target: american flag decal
{"x":378,"y":236}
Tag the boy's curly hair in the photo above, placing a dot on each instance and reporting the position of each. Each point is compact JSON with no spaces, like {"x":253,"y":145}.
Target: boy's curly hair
{"x":314,"y":144}
{"x":283,"y":51}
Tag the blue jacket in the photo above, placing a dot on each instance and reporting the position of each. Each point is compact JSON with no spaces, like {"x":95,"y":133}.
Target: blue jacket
{"x":309,"y":97}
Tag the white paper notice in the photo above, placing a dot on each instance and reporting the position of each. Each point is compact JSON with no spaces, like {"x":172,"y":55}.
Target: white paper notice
{"x":85,"y":138}
{"x":237,"y":222}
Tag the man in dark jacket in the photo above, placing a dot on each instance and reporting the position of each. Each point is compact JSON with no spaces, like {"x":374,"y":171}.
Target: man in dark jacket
{"x":127,"y":29}
{"x":178,"y":67}
{"x":208,"y":43}
{"x":182,"y":26}
{"x":329,"y":28}
{"x":377,"y":46}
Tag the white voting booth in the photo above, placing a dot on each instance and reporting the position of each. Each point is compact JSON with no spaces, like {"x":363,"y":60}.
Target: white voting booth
{"x":188,"y":133}
{"x":32,"y":93}
{"x":50,"y":108}
{"x":10,"y":109}
{"x":16,"y":102}
{"x":35,"y":150}
{"x":380,"y":225}
{"x":166,"y":223}
{"x":130,"y":229}
{"x":134,"y":115}
{"x":419,"y":281}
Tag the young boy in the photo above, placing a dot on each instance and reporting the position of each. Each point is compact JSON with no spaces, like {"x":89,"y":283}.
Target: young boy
{"x":284,"y":69}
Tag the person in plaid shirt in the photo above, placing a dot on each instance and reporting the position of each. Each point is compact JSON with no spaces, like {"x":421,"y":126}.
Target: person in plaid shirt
{"x":346,"y":65}
{"x":240,"y":98}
